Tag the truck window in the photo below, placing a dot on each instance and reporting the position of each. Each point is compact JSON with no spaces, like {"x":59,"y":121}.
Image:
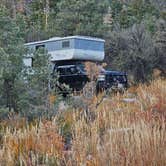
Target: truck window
{"x":120,"y":78}
{"x":109,"y":78}
{"x":61,"y":71}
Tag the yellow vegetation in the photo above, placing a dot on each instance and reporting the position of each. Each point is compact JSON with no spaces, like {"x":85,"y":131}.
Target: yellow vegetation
{"x":117,"y":132}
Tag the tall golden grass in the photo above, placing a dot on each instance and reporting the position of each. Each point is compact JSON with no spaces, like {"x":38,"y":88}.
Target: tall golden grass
{"x":31,"y":145}
{"x":117,"y":132}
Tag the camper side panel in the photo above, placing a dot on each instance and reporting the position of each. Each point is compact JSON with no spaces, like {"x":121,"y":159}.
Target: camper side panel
{"x":61,"y":49}
{"x":89,"y":50}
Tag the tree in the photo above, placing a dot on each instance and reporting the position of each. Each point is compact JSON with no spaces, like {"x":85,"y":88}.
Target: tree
{"x":40,"y":18}
{"x":80,"y":17}
{"x":133,"y":51}
{"x":127,"y":13}
{"x":35,"y":88}
{"x":160,"y":46}
{"x":11,"y":52}
{"x":21,"y":89}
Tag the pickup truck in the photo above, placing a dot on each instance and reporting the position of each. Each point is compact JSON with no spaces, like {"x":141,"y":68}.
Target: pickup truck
{"x":75,"y":77}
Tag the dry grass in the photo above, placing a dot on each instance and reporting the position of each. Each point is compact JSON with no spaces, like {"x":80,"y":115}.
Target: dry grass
{"x":32,"y":145}
{"x":123,"y":133}
{"x":115,"y":133}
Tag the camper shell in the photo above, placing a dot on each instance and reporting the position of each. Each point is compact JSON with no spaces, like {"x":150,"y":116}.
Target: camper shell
{"x":70,"y":48}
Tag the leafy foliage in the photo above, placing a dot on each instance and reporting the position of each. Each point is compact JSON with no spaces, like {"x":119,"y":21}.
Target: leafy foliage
{"x":20,"y":87}
{"x":79,"y":17}
{"x":11,"y":52}
{"x":160,"y":40}
{"x":133,"y":51}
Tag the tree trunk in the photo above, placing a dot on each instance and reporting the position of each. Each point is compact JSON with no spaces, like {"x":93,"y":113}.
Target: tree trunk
{"x":9,"y":94}
{"x":47,"y":9}
{"x":13,"y":5}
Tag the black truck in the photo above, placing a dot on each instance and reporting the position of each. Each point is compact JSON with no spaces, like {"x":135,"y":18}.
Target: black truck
{"x":74,"y":75}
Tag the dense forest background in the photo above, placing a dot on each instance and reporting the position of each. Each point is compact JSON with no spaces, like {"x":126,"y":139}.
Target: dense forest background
{"x":134,"y":30}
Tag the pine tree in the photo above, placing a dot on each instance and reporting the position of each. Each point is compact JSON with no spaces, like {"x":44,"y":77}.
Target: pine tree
{"x":12,"y":50}
{"x":80,"y":17}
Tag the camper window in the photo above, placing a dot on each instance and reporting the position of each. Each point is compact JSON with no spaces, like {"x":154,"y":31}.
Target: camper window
{"x":40,"y":46}
{"x":65,"y":44}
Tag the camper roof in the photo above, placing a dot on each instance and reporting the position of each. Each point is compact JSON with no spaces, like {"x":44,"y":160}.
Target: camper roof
{"x":65,"y":38}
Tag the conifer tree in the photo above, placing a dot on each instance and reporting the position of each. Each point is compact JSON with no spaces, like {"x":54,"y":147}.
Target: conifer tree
{"x":11,"y":52}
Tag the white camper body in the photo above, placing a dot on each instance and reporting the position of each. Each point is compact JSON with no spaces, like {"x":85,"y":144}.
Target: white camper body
{"x":71,"y":48}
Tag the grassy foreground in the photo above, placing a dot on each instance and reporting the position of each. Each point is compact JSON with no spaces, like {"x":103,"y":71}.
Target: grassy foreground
{"x":117,"y":132}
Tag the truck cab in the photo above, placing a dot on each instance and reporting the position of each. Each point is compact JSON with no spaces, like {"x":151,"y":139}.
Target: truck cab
{"x":110,"y":79}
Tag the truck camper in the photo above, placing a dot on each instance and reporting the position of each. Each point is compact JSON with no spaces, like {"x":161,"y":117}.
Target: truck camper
{"x":68,"y":55}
